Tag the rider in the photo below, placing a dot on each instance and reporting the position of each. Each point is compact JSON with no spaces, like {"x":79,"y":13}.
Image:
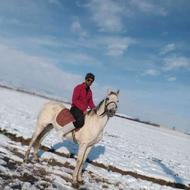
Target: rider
{"x":82,"y":99}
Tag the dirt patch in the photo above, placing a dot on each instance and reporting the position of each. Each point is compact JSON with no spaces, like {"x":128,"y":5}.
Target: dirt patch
{"x":53,"y":162}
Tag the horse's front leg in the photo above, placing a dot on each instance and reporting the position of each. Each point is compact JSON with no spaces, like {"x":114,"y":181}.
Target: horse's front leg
{"x":85,"y":157}
{"x":80,"y":161}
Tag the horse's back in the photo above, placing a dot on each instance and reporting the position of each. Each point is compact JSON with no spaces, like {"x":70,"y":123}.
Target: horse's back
{"x":49,"y":112}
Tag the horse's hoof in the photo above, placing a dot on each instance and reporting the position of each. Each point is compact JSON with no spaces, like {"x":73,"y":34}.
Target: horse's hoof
{"x":75,"y":185}
{"x":36,"y":161}
{"x":25,"y":160}
{"x":81,"y":182}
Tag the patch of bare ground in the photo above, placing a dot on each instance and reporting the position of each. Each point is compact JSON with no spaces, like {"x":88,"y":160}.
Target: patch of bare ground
{"x":105,"y":182}
{"x":40,"y":173}
{"x":35,"y":175}
{"x":18,"y":175}
{"x":140,"y":176}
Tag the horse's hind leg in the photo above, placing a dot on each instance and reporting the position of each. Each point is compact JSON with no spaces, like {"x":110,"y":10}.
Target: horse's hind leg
{"x":39,"y":129}
{"x":39,"y":139}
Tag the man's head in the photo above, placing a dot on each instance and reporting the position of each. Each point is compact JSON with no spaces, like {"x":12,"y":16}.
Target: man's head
{"x":89,"y":79}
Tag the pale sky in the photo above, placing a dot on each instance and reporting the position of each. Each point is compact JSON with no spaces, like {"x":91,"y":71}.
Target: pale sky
{"x":138,"y":46}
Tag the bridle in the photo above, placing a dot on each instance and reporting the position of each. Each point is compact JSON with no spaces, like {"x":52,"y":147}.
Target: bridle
{"x":106,"y":105}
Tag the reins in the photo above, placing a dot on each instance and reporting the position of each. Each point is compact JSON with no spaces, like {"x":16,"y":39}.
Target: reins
{"x":105,"y":110}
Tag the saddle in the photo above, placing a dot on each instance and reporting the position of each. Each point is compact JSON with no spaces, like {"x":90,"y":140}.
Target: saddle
{"x":64,"y":117}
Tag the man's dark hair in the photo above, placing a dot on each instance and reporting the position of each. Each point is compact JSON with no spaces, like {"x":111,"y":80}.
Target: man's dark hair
{"x":90,"y":75}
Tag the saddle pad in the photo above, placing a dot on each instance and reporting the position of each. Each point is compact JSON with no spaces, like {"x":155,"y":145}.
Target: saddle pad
{"x":64,"y":117}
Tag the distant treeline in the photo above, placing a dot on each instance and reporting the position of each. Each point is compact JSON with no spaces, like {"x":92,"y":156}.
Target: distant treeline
{"x":138,"y":120}
{"x":33,"y":93}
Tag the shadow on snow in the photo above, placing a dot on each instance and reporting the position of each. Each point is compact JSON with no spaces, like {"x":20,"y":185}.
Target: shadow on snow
{"x":94,"y":154}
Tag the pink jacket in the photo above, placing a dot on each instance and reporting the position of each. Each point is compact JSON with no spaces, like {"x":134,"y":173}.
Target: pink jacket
{"x":82,"y":99}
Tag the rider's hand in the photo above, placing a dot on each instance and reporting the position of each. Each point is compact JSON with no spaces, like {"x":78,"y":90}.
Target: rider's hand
{"x":85,"y":112}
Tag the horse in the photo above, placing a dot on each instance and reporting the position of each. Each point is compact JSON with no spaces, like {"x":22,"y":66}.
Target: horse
{"x":91,"y":132}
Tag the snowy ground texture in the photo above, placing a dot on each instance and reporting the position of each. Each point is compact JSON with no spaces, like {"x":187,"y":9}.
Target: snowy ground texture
{"x":131,"y":155}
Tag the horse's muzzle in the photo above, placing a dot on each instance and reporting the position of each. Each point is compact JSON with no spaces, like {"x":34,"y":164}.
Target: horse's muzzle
{"x":111,"y":112}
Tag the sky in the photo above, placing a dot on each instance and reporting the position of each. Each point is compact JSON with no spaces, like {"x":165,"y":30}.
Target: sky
{"x":140,"y":47}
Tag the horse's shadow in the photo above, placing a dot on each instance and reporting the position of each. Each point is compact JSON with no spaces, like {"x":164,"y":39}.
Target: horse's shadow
{"x":73,"y":148}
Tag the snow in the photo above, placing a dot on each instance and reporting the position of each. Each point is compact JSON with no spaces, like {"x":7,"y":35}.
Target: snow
{"x":127,"y":145}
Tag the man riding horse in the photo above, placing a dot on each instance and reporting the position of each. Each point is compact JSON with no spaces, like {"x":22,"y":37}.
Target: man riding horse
{"x":49,"y":117}
{"x":82,"y":99}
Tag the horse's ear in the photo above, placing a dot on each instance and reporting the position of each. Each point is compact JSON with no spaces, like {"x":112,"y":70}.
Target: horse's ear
{"x":108,"y":91}
{"x":117,"y":92}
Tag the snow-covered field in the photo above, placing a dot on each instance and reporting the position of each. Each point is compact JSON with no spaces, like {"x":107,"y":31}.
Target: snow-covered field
{"x":131,"y":155}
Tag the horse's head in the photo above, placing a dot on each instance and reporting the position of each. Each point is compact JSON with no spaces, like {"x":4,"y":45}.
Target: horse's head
{"x":111,"y":103}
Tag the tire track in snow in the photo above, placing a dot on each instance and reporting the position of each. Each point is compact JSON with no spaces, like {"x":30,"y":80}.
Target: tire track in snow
{"x":111,"y":168}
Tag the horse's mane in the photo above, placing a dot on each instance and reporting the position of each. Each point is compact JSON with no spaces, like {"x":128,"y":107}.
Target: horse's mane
{"x":99,"y":105}
{"x":93,"y":111}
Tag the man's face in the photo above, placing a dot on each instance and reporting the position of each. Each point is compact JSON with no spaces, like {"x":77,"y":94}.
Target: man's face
{"x":89,"y":81}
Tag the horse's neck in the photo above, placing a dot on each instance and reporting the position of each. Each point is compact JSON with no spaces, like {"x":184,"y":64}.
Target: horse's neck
{"x":101,"y":109}
{"x":103,"y":117}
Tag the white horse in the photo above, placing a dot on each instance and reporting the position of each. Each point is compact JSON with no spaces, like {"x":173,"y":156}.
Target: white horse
{"x":86,"y":137}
